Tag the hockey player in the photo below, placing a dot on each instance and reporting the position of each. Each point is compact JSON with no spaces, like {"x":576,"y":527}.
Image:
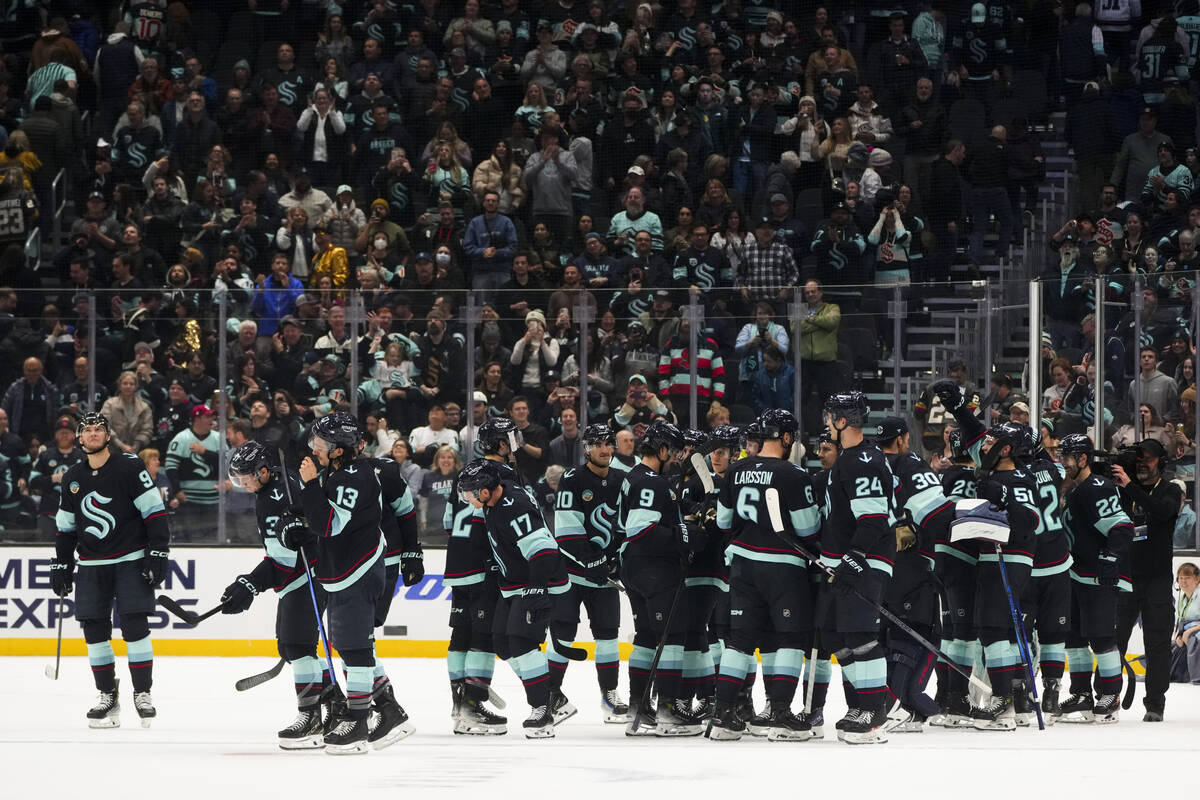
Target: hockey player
{"x":531,"y":571}
{"x":1047,"y":600}
{"x":1011,"y":489}
{"x":112,"y":513}
{"x":769,"y":596}
{"x":1100,"y":533}
{"x":923,"y":518}
{"x":341,"y":499}
{"x":253,"y":467}
{"x":858,"y":542}
{"x":471,"y":659}
{"x":954,"y":564}
{"x":655,"y":546}
{"x":583,"y":527}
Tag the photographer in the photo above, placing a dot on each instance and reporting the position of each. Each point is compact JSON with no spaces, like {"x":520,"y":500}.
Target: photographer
{"x":533,"y":355}
{"x":1153,"y":504}
{"x":753,"y":338}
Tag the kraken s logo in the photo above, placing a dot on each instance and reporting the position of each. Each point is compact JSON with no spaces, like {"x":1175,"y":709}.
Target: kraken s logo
{"x":202,"y":468}
{"x":836,"y":259}
{"x":978,"y":48}
{"x":90,"y":508}
{"x":399,"y":195}
{"x":687,"y":37}
{"x":287,"y":93}
{"x":601,"y":519}
{"x":137,"y":155}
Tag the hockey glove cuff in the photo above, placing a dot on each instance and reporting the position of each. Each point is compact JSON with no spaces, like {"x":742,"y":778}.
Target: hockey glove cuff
{"x":294,"y":534}
{"x":950,"y":393}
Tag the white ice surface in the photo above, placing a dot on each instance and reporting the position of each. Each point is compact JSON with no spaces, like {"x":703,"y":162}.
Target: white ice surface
{"x":210,"y":741}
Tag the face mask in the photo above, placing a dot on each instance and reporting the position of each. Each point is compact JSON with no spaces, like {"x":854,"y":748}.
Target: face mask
{"x":381,"y":244}
{"x":443,"y":258}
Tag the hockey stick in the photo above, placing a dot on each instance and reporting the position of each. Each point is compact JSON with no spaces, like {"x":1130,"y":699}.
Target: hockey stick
{"x":312,"y":591}
{"x":494,"y":698}
{"x":190,"y":617}
{"x":702,"y":472}
{"x":1131,"y":688}
{"x":52,"y":672}
{"x":773,"y":509}
{"x":662,"y":643}
{"x":811,"y":687}
{"x":261,"y":678}
{"x":567,"y":651}
{"x":1019,"y":632}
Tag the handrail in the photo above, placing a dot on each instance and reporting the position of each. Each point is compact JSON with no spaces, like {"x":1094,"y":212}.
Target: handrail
{"x":33,"y":248}
{"x":57,"y":207}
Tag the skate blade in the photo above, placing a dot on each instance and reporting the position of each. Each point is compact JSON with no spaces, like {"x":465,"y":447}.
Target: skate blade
{"x":907,"y":726}
{"x":540,"y":733}
{"x":678,"y":730}
{"x":315,"y":742}
{"x":718,"y":734}
{"x":401,"y":731}
{"x":104,"y":723}
{"x":352,"y":749}
{"x":146,"y":721}
{"x":818,"y":732}
{"x":995,"y":725}
{"x":789,"y":736}
{"x":612,"y":718}
{"x":1024,"y":720}
{"x":960,"y":721}
{"x":870,"y":737}
{"x":1108,"y":719}
{"x":643,"y":730}
{"x":757,"y":730}
{"x":481,"y":730}
{"x":1077,"y":718}
{"x":565,"y":713}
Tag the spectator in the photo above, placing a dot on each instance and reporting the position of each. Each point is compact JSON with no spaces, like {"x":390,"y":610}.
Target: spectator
{"x":1138,"y":155}
{"x":129,"y":416}
{"x":1157,"y":390}
{"x":425,"y":441}
{"x":441,"y":361}
{"x":276,"y":296}
{"x":989,"y":194}
{"x":674,"y":374}
{"x":436,"y":485}
{"x":1185,"y":646}
{"x":1151,"y":427}
{"x":31,"y":403}
{"x":533,"y":354}
{"x":774,"y":384}
{"x":490,"y":242}
{"x":329,"y":260}
{"x":930,"y":415}
{"x":753,"y":338}
{"x":1166,"y":176}
{"x":566,"y":449}
{"x":1092,"y":133}
{"x":192,"y":466}
{"x":532,"y":454}
{"x":1003,"y":398}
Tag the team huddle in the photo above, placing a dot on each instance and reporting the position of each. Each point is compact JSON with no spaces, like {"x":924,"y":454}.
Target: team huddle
{"x":723,"y":546}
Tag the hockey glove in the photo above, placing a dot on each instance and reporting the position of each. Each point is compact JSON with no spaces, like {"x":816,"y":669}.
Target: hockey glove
{"x":536,"y":603}
{"x":596,"y":569}
{"x":850,"y":571}
{"x":1106,"y":571}
{"x":412,"y":567}
{"x":950,"y":393}
{"x":154,"y":567}
{"x":238,"y":595}
{"x":994,"y":492}
{"x":294,"y":534}
{"x":692,"y":540}
{"x":62,"y":576}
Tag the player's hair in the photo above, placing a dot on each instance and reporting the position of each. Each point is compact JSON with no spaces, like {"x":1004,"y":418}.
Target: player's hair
{"x":242,"y":426}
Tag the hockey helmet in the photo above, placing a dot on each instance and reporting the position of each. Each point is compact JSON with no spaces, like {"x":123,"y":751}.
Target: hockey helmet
{"x":249,"y":459}
{"x":91,"y":419}
{"x":339,"y":429}
{"x":725,"y":436}
{"x":695,"y":439}
{"x":495,"y":430}
{"x":775,"y":422}
{"x":1076,"y":444}
{"x":659,"y":434}
{"x":1017,"y":438}
{"x":598,"y":433}
{"x":851,"y":405}
{"x":480,"y":474}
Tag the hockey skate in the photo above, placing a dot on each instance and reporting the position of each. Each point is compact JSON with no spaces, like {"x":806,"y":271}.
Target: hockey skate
{"x":107,"y":711}
{"x":476,"y":719}
{"x":851,"y":716}
{"x":725,"y":725}
{"x":788,"y":727}
{"x":347,"y":736}
{"x":865,"y":728}
{"x":1107,"y":709}
{"x":1022,"y":705}
{"x":388,"y":722}
{"x":333,"y":706}
{"x":675,"y":720}
{"x":816,"y":722}
{"x":997,"y":715}
{"x":704,"y":708}
{"x":956,"y":713}
{"x":616,"y":711}
{"x":540,"y":724}
{"x":647,"y":721}
{"x":457,"y":693}
{"x":901,"y":721}
{"x":1078,"y":708}
{"x":760,"y":723}
{"x":1050,"y":704}
{"x":144,"y":704}
{"x":562,"y":708}
{"x":304,"y":733}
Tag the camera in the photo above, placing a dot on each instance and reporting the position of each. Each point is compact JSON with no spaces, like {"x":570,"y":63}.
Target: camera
{"x":1126,"y":458}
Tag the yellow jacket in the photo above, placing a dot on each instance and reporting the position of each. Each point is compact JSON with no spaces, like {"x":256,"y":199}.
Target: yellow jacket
{"x":333,"y":263}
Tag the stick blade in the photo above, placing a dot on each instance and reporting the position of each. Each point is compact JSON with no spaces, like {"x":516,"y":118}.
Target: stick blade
{"x":567,"y":651}
{"x":1131,"y":685}
{"x":259,"y":679}
{"x":52,"y":672}
{"x":701,"y":467}
{"x":774,"y":510}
